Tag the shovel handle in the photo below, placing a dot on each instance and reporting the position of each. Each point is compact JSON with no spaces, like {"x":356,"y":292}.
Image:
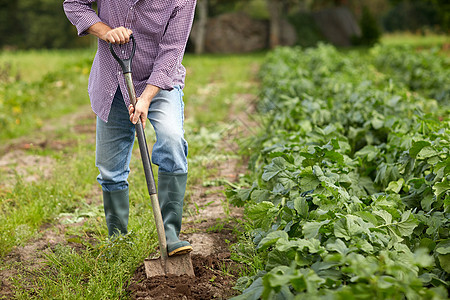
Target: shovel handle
{"x":147,"y":163}
{"x":126,"y":69}
{"x":152,"y":191}
{"x":126,"y":62}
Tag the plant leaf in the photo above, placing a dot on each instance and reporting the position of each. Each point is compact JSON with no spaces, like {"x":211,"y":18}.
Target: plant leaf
{"x":443,"y":247}
{"x":301,"y":206}
{"x":262,"y":213}
{"x":417,"y":147}
{"x":274,"y":168}
{"x":253,"y":292}
{"x":441,"y":187}
{"x":444,"y":260}
{"x":338,"y":246}
{"x":272,"y":238}
{"x":311,"y":229}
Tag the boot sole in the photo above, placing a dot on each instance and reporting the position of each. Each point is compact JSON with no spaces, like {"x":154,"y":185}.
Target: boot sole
{"x":181,"y":251}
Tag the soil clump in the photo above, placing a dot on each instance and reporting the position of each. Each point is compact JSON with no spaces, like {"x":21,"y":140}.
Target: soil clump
{"x":210,"y":281}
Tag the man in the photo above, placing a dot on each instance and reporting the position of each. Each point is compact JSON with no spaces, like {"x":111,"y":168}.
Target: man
{"x":161,"y":29}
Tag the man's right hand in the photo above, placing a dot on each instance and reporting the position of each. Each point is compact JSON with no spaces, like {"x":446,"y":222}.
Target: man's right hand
{"x":119,"y":35}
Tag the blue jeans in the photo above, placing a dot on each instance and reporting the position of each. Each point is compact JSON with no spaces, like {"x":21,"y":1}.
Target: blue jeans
{"x":115,"y":139}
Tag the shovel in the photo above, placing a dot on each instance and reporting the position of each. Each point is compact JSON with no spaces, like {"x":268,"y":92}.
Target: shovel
{"x":165,"y":265}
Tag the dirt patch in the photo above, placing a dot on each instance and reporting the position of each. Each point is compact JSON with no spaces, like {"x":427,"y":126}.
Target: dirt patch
{"x":25,"y":260}
{"x":214,"y":278}
{"x":210,"y":231}
{"x":50,"y":136}
{"x":16,"y":158}
{"x":28,"y":167}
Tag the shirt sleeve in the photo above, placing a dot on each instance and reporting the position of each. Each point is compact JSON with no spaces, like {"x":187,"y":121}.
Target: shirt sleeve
{"x":172,"y":46}
{"x":81,"y":14}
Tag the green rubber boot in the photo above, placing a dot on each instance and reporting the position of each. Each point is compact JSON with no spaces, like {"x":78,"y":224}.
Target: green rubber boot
{"x":116,"y":207}
{"x":171,"y":189}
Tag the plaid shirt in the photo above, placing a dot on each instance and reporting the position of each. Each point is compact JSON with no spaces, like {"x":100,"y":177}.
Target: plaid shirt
{"x":161,"y":29}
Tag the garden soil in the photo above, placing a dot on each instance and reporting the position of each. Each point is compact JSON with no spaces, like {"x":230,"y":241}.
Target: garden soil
{"x":210,"y":282}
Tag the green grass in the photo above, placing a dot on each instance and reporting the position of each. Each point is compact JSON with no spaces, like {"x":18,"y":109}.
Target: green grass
{"x":99,"y":272}
{"x":28,"y":205}
{"x":213,"y":82}
{"x":33,"y":65}
{"x":40,"y":86}
{"x":215,"y":88}
{"x":414,"y":40}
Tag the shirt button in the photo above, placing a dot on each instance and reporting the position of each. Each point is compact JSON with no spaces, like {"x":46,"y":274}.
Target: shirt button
{"x":111,"y":95}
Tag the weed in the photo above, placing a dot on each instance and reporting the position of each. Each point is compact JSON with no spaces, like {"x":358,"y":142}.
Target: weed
{"x":218,"y":227}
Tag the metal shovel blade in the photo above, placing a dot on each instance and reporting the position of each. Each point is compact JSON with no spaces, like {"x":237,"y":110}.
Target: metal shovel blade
{"x":173,"y":265}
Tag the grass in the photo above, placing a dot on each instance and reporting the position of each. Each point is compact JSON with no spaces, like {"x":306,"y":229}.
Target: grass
{"x":100,"y":272}
{"x":213,"y":82}
{"x":38,"y":87}
{"x":28,"y":205}
{"x":425,"y":41}
{"x":98,"y":268}
{"x":214,"y":85}
{"x":33,"y":65}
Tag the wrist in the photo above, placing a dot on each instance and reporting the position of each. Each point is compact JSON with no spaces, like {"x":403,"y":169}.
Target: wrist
{"x":145,"y":99}
{"x":150,"y":91}
{"x":100,"y":30}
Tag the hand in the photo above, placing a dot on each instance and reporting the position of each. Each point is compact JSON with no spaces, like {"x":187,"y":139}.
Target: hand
{"x":119,"y":35}
{"x":140,"y":111}
{"x":142,"y":104}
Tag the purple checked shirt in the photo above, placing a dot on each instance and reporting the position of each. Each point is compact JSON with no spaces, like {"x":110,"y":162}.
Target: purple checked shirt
{"x":160,"y":28}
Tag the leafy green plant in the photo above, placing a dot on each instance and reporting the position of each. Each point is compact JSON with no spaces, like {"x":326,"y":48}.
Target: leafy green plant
{"x":422,"y":71}
{"x":350,"y":195}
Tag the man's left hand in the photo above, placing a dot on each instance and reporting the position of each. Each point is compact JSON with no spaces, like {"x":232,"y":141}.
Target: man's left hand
{"x":142,"y":105}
